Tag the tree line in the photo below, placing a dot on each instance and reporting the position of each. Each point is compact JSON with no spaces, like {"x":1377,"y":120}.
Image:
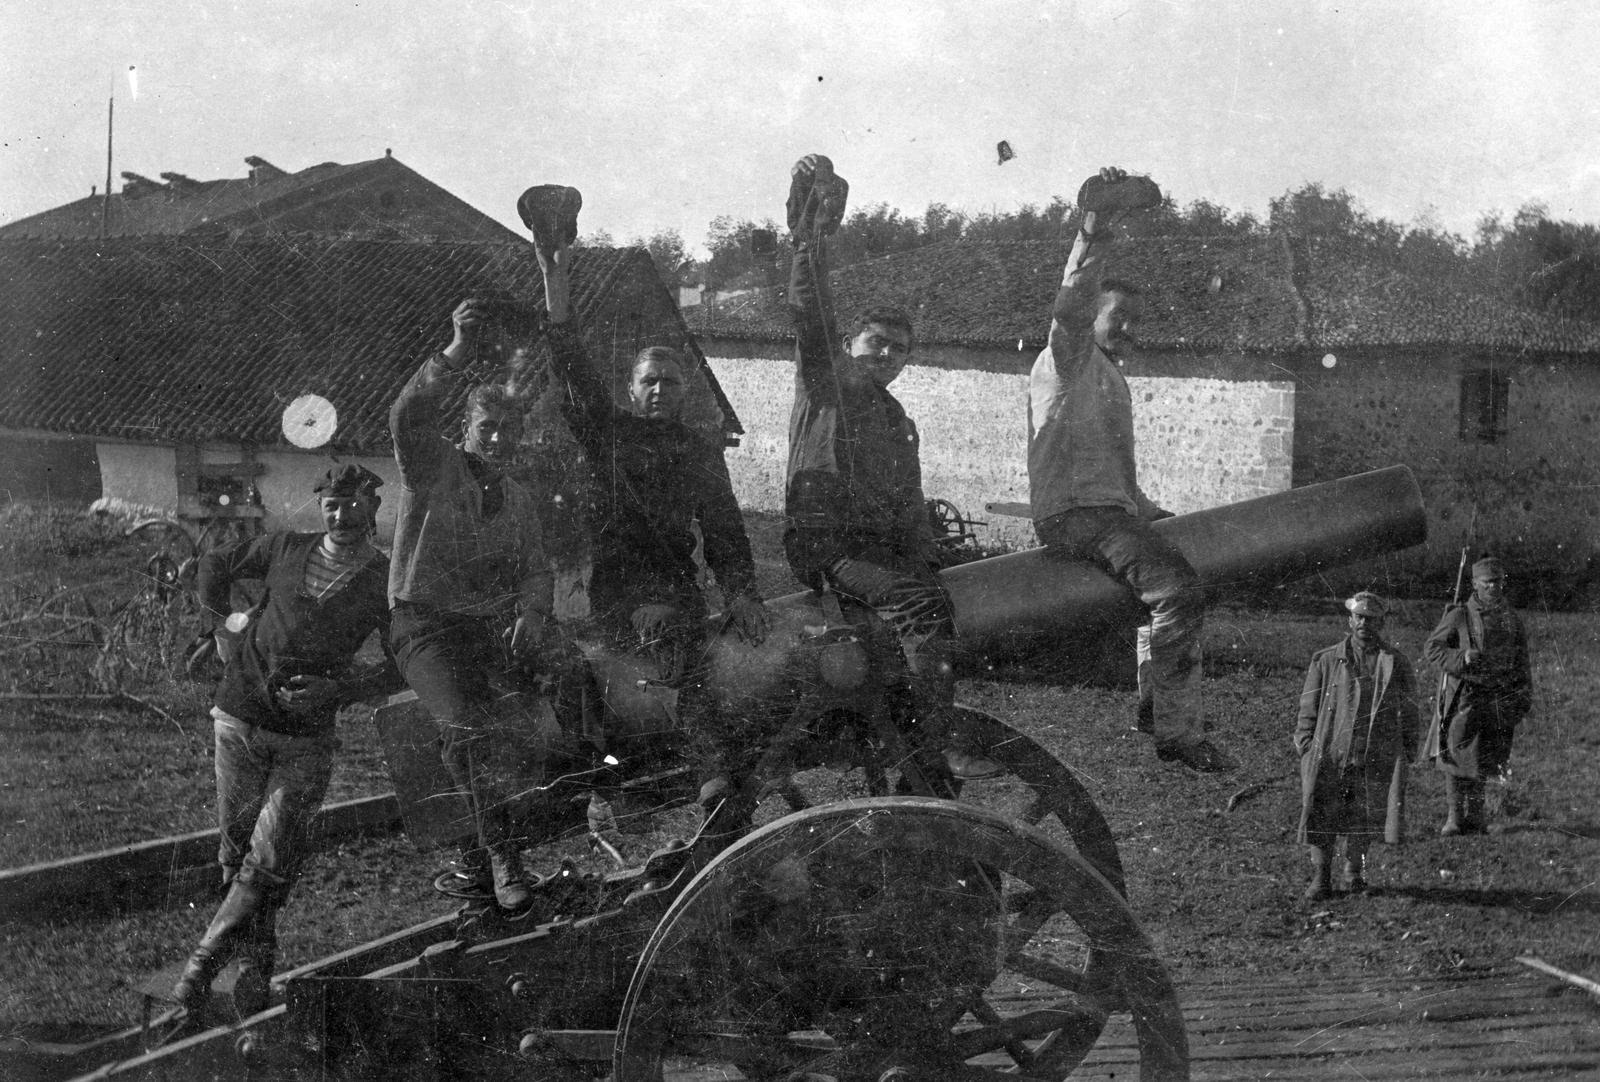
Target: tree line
{"x":1528,"y":259}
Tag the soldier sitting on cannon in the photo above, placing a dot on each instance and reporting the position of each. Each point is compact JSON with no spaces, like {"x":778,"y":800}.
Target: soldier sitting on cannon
{"x":1083,"y":484}
{"x":656,"y":480}
{"x":856,"y":518}
{"x":469,"y":584}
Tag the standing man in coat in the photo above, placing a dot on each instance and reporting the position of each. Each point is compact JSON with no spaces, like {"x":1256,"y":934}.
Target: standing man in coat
{"x":1482,"y":649}
{"x":1358,"y":714}
{"x":285,"y":676}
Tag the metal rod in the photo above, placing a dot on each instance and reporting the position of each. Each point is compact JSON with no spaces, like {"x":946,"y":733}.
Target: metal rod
{"x":111,"y":113}
{"x":1592,"y":987}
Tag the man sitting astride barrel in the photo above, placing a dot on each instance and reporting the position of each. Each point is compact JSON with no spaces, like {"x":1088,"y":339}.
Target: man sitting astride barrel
{"x":656,"y":478}
{"x":1083,"y":483}
{"x":283,"y":681}
{"x":470,"y":587}
{"x":856,"y":518}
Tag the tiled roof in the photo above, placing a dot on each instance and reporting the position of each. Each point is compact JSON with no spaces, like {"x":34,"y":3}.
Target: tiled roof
{"x":1270,"y":297}
{"x":186,"y":339}
{"x":238,"y":205}
{"x":1356,"y":302}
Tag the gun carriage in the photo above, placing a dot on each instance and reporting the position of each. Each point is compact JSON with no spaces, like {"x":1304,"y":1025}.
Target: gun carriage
{"x":926,"y":929}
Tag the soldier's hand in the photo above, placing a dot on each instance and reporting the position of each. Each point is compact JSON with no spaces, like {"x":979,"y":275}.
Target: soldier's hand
{"x":302,"y":692}
{"x":651,"y":622}
{"x":527,"y":634}
{"x":813,"y":166}
{"x":469,"y":318}
{"x":748,"y":618}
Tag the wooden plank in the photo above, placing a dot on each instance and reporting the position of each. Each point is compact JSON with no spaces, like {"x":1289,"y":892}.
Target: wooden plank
{"x":160,"y":868}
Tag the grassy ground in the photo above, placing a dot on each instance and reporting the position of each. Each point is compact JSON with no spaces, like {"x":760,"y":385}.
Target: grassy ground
{"x":1219,"y":891}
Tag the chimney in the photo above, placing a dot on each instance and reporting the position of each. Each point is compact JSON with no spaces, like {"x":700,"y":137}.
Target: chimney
{"x":180,"y":184}
{"x":262,"y":170}
{"x":135,"y":186}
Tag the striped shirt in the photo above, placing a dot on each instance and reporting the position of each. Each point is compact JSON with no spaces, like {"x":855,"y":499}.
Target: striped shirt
{"x":328,"y":571}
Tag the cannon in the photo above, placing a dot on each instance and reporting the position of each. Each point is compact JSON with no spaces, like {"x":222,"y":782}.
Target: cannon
{"x":924,"y":928}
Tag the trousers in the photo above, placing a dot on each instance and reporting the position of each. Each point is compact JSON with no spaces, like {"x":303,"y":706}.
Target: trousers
{"x":1127,"y":549}
{"x":269,"y":789}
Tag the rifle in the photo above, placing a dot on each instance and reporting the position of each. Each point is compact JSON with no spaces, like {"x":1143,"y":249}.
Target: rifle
{"x":1394,"y":826}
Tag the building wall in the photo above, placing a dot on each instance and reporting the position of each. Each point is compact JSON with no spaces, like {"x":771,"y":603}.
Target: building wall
{"x":1202,"y":442}
{"x":1534,"y":490}
{"x":51,"y":469}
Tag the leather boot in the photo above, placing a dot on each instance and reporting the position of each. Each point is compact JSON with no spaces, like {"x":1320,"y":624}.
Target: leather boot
{"x":258,"y":953}
{"x":230,"y":924}
{"x":1472,"y":821}
{"x":1321,"y":886}
{"x":1452,"y":798}
{"x":510,"y":886}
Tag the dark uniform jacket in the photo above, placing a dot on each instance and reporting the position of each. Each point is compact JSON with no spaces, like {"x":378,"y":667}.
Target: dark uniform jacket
{"x":654,"y":479}
{"x":1500,"y":678}
{"x":290,"y":635}
{"x":854,"y":480}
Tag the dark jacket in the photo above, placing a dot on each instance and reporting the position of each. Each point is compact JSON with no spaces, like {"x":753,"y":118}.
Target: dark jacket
{"x":1501,"y":676}
{"x":653,"y":480}
{"x":289,"y":635}
{"x":447,"y":554}
{"x":1328,"y":728}
{"x":854,"y":478}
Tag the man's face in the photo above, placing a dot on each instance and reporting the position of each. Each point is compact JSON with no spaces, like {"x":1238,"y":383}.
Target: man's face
{"x":881,"y":350}
{"x":348,"y":519}
{"x":1116,"y":322}
{"x":493,"y":433}
{"x":1367,"y":628}
{"x":657,"y":390}
{"x":1489,"y":587}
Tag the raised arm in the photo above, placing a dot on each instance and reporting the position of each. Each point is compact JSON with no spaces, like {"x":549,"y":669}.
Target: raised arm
{"x":817,"y":198}
{"x":587,"y":404}
{"x":1078,"y":299}
{"x":416,"y":420}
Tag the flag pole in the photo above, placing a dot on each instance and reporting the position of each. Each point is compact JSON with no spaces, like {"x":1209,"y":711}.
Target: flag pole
{"x":111,"y":113}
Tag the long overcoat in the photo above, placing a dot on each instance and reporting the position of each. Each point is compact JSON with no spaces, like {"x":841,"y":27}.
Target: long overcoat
{"x":1328,"y":721}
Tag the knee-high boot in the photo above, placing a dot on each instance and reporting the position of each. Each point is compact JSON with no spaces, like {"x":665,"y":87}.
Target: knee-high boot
{"x":258,"y":954}
{"x":230,"y":924}
{"x":1472,"y":820}
{"x":1452,"y":799}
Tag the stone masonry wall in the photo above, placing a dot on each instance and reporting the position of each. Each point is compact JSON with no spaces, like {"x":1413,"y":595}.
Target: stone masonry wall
{"x":1201,"y":442}
{"x":1534,"y":491}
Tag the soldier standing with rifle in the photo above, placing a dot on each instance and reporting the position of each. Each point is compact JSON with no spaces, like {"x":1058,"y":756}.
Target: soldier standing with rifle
{"x":1487,"y":688}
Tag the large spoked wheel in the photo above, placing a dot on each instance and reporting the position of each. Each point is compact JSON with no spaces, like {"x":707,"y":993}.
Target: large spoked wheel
{"x":1040,"y":790}
{"x":906,"y":932}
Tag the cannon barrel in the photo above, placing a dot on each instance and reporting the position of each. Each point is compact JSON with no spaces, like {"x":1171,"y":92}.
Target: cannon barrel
{"x":1012,"y":604}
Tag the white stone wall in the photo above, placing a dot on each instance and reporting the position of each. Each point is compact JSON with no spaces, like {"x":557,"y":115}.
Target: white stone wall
{"x":1201,"y":442}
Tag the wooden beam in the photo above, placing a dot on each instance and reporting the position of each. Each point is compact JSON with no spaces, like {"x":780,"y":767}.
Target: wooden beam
{"x":163,"y":867}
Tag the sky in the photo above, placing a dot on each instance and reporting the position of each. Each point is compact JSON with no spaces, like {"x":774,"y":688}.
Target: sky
{"x":667,"y":115}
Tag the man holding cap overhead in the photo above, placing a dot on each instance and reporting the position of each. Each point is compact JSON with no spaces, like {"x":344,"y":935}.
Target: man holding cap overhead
{"x":286,"y":673}
{"x":1482,"y":649}
{"x":1358,"y":714}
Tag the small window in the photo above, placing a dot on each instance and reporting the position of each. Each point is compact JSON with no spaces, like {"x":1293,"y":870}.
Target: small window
{"x":1484,"y":394}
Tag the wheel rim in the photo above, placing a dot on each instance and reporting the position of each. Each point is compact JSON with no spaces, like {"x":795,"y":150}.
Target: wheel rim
{"x":885,"y":932}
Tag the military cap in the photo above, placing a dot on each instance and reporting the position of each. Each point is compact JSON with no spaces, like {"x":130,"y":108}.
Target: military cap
{"x":1367,"y":603}
{"x":349,"y":480}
